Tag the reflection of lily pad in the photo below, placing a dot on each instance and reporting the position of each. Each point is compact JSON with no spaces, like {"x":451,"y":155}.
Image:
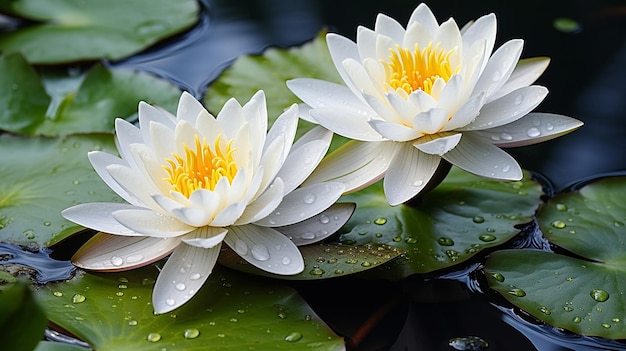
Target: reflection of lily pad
{"x":65,"y":104}
{"x":39,"y":178}
{"x":269,"y":72}
{"x":464,"y":215}
{"x":584,"y":295}
{"x":66,"y":31}
{"x":112,"y":311}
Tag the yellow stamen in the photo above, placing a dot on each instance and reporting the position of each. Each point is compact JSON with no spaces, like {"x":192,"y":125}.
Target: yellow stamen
{"x":418,"y":69}
{"x":201,"y":168}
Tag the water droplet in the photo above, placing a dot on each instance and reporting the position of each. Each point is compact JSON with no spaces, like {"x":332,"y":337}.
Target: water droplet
{"x":410,"y":240}
{"x":29,"y":234}
{"x":117,"y":261}
{"x":132,"y":322}
{"x":286,"y":260}
{"x":233,"y":320}
{"x":134,"y":258}
{"x":497,"y":276}
{"x":220,"y":335}
{"x":549,"y":126}
{"x":417,"y":183}
{"x":308,"y":236}
{"x":518,"y":99}
{"x":47,"y":223}
{"x":324,"y":219}
{"x":352,"y":261}
{"x":75,"y":182}
{"x":478,"y":219}
{"x":490,"y":230}
{"x":599,"y":295}
{"x":561,"y":207}
{"x":533,"y":132}
{"x":545,"y":310}
{"x":496,"y":76}
{"x":576,"y":319}
{"x":191,"y":333}
{"x":517,"y":292}
{"x":147,"y":281}
{"x":445,"y":241}
{"x":241,"y":247}
{"x":316,"y":271}
{"x":606,"y":325}
{"x":78,"y":298}
{"x":506,"y":136}
{"x":260,"y":252}
{"x":57,"y":293}
{"x":194,"y":276}
{"x":558,"y":224}
{"x":487,"y":237}
{"x":309,"y":198}
{"x":380,"y":221}
{"x":453,"y":255}
{"x":469,"y":343}
{"x":567,"y":308}
{"x":180,"y":287}
{"x":293,"y":336}
{"x":154,"y":337}
{"x":170,"y":302}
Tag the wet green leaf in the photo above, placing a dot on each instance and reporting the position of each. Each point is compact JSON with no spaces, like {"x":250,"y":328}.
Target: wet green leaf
{"x":269,"y":72}
{"x":57,"y":346}
{"x":460,"y":218}
{"x":323,"y":261}
{"x":39,"y":178}
{"x":585,"y":294}
{"x":233,"y":311}
{"x":22,"y":321}
{"x":65,"y":31}
{"x":54,"y":102}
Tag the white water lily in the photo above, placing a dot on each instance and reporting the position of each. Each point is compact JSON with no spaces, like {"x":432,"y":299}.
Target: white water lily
{"x":193,"y":180}
{"x":416,"y":95}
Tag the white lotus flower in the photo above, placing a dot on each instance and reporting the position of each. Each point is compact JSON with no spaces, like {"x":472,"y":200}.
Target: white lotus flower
{"x":193,"y":181}
{"x":415,"y":95}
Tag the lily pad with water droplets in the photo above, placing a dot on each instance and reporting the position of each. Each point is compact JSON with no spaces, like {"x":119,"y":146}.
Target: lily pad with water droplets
{"x":39,"y":178}
{"x":323,"y":261}
{"x":56,"y":102}
{"x":269,"y":72}
{"x":463,"y":216}
{"x":61,"y":31}
{"x":233,"y":311}
{"x":585,"y":293}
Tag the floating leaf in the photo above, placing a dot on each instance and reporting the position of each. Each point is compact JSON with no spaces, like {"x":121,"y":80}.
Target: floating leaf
{"x":57,"y":346}
{"x":324,"y":260}
{"x":22,"y":321}
{"x":464,"y":215}
{"x":269,"y":72}
{"x":62,"y":103}
{"x":39,"y":178}
{"x":583,"y":295}
{"x":65,"y":31}
{"x":112,"y":311}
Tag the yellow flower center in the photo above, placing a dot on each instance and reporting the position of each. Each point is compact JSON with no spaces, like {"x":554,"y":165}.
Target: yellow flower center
{"x":201,"y":168}
{"x":417,"y":69}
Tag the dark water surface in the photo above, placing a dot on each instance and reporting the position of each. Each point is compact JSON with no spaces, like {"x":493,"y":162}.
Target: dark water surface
{"x":586,"y":79}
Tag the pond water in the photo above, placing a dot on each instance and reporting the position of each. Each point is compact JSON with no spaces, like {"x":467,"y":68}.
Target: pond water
{"x":586,"y":78}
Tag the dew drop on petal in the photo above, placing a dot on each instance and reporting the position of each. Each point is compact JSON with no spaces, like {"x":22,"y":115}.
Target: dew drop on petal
{"x":286,"y":260}
{"x":194,"y":276}
{"x":324,"y":219}
{"x":180,"y":286}
{"x":170,"y":302}
{"x":308,"y":236}
{"x":134,"y":258}
{"x":260,"y":252}
{"x":241,"y":247}
{"x":518,"y":99}
{"x":533,"y":132}
{"x":496,"y":76}
{"x":309,"y":198}
{"x":117,"y":261}
{"x":506,"y":136}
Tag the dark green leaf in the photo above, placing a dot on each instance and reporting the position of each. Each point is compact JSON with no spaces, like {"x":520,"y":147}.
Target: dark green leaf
{"x":22,"y":321}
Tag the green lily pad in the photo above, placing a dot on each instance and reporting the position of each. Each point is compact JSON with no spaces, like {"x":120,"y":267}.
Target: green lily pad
{"x":57,"y":346}
{"x":460,"y":218}
{"x":323,"y":261}
{"x":583,"y":294}
{"x":39,"y":178}
{"x":233,"y":311}
{"x":22,"y":321}
{"x":269,"y":72}
{"x":65,"y":31}
{"x":58,"y":103}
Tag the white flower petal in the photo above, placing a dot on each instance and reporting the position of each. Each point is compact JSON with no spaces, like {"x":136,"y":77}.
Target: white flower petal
{"x":229,"y":214}
{"x":342,"y":48}
{"x":431,"y":121}
{"x":272,"y":160}
{"x":423,"y":15}
{"x":474,"y":155}
{"x":195,"y":217}
{"x":319,"y":227}
{"x":303,"y":203}
{"x":301,"y":162}
{"x":356,"y":164}
{"x":265,"y":204}
{"x":402,"y":106}
{"x":182,"y":276}
{"x":394,"y":131}
{"x":499,"y":68}
{"x":125,"y":135}
{"x":108,"y":252}
{"x":285,"y":126}
{"x":365,"y":41}
{"x":266,"y":249}
{"x":319,"y":93}
{"x":408,"y":174}
{"x":466,"y":114}
{"x":316,"y":133}
{"x":188,"y":108}
{"x":231,"y":117}
{"x":168,"y":204}
{"x":483,"y":28}
{"x":381,"y":108}
{"x":149,"y":113}
{"x":151,"y":223}
{"x":205,"y":237}
{"x":422,"y":100}
{"x":434,"y":144}
{"x":100,"y":160}
{"x":526,"y":73}
{"x":508,"y":108}
{"x":256,"y":117}
{"x":359,"y":76}
{"x":347,"y":122}
{"x":99,"y":216}
{"x":133,"y":183}
{"x":453,"y":94}
{"x":388,"y":26}
{"x":162,"y":141}
{"x":448,"y":37}
{"x":531,"y":129}
{"x":417,"y":33}
{"x":208,"y":126}
{"x":206,"y":199}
